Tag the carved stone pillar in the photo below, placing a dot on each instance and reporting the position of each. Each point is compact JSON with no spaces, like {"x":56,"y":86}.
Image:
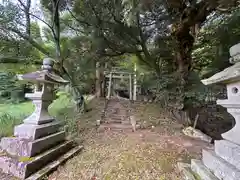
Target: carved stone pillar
{"x":110,"y":86}
{"x":130,"y":87}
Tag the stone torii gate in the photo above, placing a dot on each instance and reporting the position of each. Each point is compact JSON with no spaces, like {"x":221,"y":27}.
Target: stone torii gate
{"x":117,"y":73}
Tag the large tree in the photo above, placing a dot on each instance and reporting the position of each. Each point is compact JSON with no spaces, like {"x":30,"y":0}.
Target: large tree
{"x":17,"y":24}
{"x":185,"y":19}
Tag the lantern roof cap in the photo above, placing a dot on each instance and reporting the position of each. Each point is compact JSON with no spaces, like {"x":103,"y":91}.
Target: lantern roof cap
{"x":230,"y":74}
{"x":45,"y":75}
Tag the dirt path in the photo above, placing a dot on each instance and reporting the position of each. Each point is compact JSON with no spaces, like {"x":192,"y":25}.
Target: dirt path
{"x":143,"y":155}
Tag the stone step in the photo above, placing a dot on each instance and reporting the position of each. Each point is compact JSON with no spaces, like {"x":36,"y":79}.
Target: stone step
{"x":201,"y":171}
{"x":31,"y":131}
{"x":116,"y":116}
{"x":109,"y":121}
{"x":219,"y":167}
{"x":114,"y":126}
{"x":30,"y":148}
{"x":112,"y":110}
{"x":117,"y":121}
{"x":185,"y":170}
{"x":23,"y":168}
{"x":121,"y":103}
{"x":53,"y":165}
{"x":228,"y":151}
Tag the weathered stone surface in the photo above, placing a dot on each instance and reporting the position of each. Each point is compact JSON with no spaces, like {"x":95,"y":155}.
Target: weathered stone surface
{"x":52,"y":166}
{"x":198,"y":167}
{"x":234,"y":50}
{"x":33,"y":132}
{"x":194,"y":133}
{"x":235,"y":53}
{"x":221,"y":168}
{"x":46,"y":75}
{"x":227,"y":75}
{"x":12,"y":166}
{"x":26,"y":148}
{"x":47,"y":142}
{"x":4,"y":176}
{"x":229,"y":152}
{"x":185,"y":170}
{"x":23,"y":169}
{"x":230,"y":74}
{"x":233,"y":107}
{"x":16,"y":146}
{"x":40,"y":114}
{"x":116,"y":126}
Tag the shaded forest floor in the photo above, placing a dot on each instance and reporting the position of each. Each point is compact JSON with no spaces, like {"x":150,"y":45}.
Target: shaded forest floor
{"x":149,"y":154}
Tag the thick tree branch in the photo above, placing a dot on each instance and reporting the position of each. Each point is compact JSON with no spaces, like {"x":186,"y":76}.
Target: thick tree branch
{"x":43,"y":21}
{"x":30,"y":40}
{"x":22,"y":4}
{"x":143,"y":40}
{"x":26,"y":10}
{"x":143,"y":60}
{"x":76,"y":19}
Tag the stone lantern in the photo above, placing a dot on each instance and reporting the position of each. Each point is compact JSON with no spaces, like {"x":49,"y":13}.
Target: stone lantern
{"x":39,"y":139}
{"x":223,"y":162}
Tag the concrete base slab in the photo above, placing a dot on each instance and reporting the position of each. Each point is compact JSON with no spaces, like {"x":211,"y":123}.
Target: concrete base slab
{"x":185,"y":170}
{"x":23,"y":168}
{"x":33,"y":132}
{"x":26,"y":148}
{"x":220,"y":168}
{"x":53,"y":166}
{"x":228,"y":151}
{"x":204,"y":174}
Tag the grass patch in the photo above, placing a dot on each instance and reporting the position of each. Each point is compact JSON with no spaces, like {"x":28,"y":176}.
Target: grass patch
{"x":16,"y":110}
{"x":13,"y":114}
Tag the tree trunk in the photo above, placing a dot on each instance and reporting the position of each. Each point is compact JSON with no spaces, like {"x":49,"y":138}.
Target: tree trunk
{"x":184,"y":41}
{"x":28,"y":21}
{"x":99,"y":79}
{"x":184,"y":61}
{"x":78,"y":97}
{"x":26,"y":8}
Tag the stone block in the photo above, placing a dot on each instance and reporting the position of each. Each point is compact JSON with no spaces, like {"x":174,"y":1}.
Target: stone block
{"x":219,"y":167}
{"x":185,"y":170}
{"x":23,"y":169}
{"x":33,"y":132}
{"x":26,"y":148}
{"x":234,"y":50}
{"x":40,"y":114}
{"x":232,"y":135}
{"x":198,"y":167}
{"x":53,"y":165}
{"x":228,"y":151}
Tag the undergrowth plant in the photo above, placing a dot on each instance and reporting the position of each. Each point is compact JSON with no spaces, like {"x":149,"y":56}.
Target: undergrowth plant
{"x":13,"y":114}
{"x":7,"y":123}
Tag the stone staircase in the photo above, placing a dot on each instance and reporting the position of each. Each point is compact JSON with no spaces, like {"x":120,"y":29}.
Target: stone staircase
{"x":116,"y":115}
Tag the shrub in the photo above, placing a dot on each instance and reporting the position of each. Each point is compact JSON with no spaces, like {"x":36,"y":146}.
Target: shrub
{"x":7,"y":123}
